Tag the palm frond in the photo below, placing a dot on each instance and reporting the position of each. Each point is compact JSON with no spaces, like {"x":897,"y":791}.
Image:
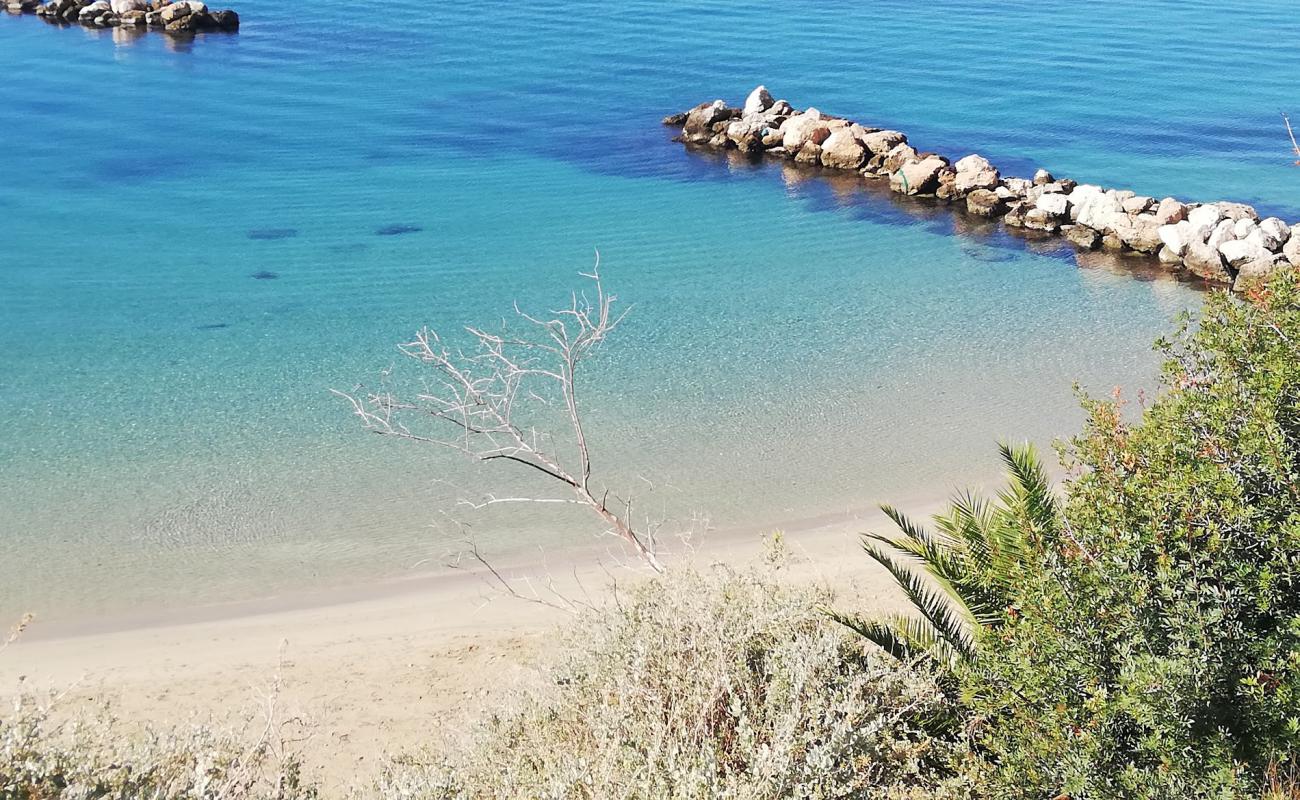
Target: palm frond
{"x":942,"y":607}
{"x":1030,"y":488}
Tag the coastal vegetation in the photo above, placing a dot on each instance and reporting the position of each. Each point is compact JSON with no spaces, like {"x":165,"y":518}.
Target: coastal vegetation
{"x":1132,"y":633}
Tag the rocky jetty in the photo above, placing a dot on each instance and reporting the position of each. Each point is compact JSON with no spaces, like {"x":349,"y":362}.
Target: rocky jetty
{"x":172,"y":16}
{"x":1219,"y":242}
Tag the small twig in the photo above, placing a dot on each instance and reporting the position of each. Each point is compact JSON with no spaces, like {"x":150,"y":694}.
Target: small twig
{"x":16,"y":632}
{"x":1295,"y":146}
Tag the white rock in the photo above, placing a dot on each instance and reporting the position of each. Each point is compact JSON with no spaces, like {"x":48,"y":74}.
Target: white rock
{"x":1177,"y":237}
{"x":1058,"y":205}
{"x":797,"y":130}
{"x":1275,"y":233}
{"x":1102,"y":212}
{"x":1170,"y":211}
{"x":758,"y":101}
{"x":1252,"y":273}
{"x":1208,"y":215}
{"x":1243,"y":251}
{"x":1292,"y":247}
{"x":972,"y":163}
{"x":1236,"y":211}
{"x":842,"y":150}
{"x":1243,"y":227}
{"x":1137,"y":205}
{"x":122,"y":6}
{"x":1223,"y":232}
{"x":881,"y":142}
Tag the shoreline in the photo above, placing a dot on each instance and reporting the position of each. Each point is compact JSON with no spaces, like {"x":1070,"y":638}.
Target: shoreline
{"x":383,"y":674}
{"x":595,"y":555}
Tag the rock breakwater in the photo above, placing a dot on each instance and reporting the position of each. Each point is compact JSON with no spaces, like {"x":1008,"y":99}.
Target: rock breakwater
{"x":1221,"y":242}
{"x":171,"y":16}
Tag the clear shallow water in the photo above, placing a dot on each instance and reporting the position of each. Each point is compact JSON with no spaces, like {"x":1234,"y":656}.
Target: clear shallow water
{"x":799,"y":346}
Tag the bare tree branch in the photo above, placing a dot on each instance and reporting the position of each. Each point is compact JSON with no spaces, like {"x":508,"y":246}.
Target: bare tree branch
{"x":477,"y":400}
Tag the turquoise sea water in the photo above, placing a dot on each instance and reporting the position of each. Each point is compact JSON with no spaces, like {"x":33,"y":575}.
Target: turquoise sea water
{"x":799,"y":347}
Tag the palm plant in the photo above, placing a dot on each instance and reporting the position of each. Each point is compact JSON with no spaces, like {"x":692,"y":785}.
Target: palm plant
{"x":962,"y":575}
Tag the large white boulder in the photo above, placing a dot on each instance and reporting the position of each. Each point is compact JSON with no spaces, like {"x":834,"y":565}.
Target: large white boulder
{"x":758,"y":101}
{"x":803,"y":128}
{"x":881,"y":142}
{"x":1292,"y":247}
{"x":1225,"y":231}
{"x":1056,"y":205}
{"x":1275,"y":233}
{"x":1207,"y":215}
{"x":843,"y":150}
{"x":1170,"y":211}
{"x":1243,"y":251}
{"x":1178,"y":236}
{"x":1102,"y":212}
{"x":918,"y":177}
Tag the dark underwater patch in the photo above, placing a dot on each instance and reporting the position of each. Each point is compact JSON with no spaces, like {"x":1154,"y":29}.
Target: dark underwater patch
{"x":272,"y":234}
{"x":397,"y":230}
{"x":212,"y":326}
{"x":991,"y":255}
{"x":264,"y":275}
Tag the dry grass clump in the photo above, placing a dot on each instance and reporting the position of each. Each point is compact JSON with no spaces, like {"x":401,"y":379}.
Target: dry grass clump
{"x":45,"y":754}
{"x":714,"y":683}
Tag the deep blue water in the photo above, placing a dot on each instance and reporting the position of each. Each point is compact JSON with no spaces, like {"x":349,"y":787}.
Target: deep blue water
{"x":198,"y":240}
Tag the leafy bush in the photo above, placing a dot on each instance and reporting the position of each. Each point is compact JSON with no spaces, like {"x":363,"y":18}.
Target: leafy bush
{"x":1151,"y":645}
{"x":92,"y":757}
{"x":714,"y":684}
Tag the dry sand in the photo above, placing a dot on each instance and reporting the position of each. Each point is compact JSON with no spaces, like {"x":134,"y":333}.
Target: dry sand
{"x":377,"y":670}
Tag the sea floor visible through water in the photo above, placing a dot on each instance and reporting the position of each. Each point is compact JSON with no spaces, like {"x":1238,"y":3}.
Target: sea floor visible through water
{"x":198,"y":240}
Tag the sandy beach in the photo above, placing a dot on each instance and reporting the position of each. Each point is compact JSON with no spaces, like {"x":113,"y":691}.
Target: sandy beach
{"x":374,"y":670}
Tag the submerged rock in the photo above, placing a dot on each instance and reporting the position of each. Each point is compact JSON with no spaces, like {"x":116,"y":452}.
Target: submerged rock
{"x":1084,"y":237}
{"x":397,"y":230}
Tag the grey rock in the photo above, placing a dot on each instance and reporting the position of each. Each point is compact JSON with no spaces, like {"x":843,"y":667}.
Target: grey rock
{"x":918,"y":177}
{"x":1253,"y":273}
{"x":883,"y":142}
{"x":1236,"y":211}
{"x":1169,"y":258}
{"x":1292,"y":247}
{"x":1057,"y":206}
{"x":699,"y":120}
{"x":1239,"y":252}
{"x":1137,"y":205}
{"x":1205,"y":261}
{"x":897,"y":157}
{"x":1083,"y":237}
{"x":985,"y":203}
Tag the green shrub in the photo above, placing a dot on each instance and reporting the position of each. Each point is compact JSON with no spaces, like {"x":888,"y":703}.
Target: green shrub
{"x":714,"y":684}
{"x":1151,"y":647}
